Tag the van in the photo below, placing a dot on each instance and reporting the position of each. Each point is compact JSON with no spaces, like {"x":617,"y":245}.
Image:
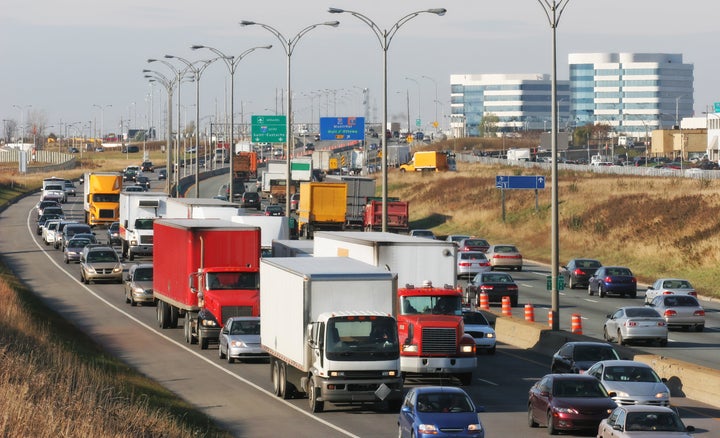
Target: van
{"x":72,"y":229}
{"x":250,"y":200}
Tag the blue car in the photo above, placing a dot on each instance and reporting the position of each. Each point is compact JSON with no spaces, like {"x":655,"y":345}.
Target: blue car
{"x":616,"y":280}
{"x":439,"y":411}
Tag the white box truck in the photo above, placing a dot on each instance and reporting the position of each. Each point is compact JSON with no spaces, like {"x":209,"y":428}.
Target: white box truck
{"x":328,"y":326}
{"x":414,"y":259}
{"x":271,"y":228}
{"x":292,"y":248}
{"x":138,"y":211}
{"x":201,"y":208}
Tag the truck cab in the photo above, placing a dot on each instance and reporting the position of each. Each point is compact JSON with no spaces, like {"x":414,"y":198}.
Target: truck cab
{"x":432,"y":333}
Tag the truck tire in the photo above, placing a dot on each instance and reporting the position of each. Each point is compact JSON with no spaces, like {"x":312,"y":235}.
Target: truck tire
{"x":163,"y":314}
{"x":284,"y":391}
{"x":173,"y":320}
{"x":313,"y":393}
{"x":188,"y":331}
{"x":275,"y":376}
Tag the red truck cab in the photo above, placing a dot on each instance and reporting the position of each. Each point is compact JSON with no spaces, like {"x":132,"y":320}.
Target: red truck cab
{"x":432,"y":334}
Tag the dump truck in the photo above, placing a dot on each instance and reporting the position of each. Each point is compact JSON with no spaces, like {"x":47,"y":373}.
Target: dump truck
{"x":322,"y":206}
{"x":205,"y":270}
{"x":138,"y":211}
{"x":398,"y":215}
{"x":244,"y":166}
{"x":102,"y":197}
{"x":426,"y":161}
{"x":328,"y":326}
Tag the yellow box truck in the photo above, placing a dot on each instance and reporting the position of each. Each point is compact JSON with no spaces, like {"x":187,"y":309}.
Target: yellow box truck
{"x":102,"y":197}
{"x":425,"y":161}
{"x":322,"y":206}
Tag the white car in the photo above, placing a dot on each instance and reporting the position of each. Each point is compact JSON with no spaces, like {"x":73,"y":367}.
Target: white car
{"x":643,"y":422}
{"x":240,"y":339}
{"x":634,"y":383}
{"x":669,"y":286}
{"x":477,"y":326}
{"x":49,"y":231}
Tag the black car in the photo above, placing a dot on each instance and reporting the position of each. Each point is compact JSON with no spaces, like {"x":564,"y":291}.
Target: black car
{"x":147,"y":166}
{"x":578,"y":272}
{"x":250,"y":200}
{"x":577,"y":357}
{"x":162,"y":174}
{"x":495,"y":284}
{"x":143,"y":182}
{"x":130,"y":175}
{"x":43,"y":204}
{"x":113,"y":234}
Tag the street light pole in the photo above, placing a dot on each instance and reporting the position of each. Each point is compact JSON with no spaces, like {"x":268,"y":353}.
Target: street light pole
{"x":288,"y":45}
{"x":231,"y":62}
{"x":169,"y":85}
{"x":385,"y":37}
{"x":436,"y":100}
{"x":102,"y":120}
{"x":419,"y":98}
{"x":553,"y":11}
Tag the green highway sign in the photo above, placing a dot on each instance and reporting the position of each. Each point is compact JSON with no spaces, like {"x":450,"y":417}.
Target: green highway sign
{"x":560,"y":280}
{"x":269,"y":129}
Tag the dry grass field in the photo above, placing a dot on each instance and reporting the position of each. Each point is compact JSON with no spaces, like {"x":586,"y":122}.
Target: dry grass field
{"x":658,"y":226}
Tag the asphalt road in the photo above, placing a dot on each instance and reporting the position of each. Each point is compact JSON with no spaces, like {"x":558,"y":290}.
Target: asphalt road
{"x":239,"y":395}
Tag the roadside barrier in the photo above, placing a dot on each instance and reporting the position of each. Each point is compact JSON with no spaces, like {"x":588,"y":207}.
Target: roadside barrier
{"x":529,"y":312}
{"x":576,"y":326}
{"x":484,"y":301}
{"x":506,"y":307}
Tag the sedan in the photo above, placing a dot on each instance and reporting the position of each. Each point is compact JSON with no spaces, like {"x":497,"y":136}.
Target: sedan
{"x":617,"y":280}
{"x":138,"y":284}
{"x":477,"y":326}
{"x":162,"y":174}
{"x":274,"y":210}
{"x":577,"y":357}
{"x":456,"y":238}
{"x":240,"y":339}
{"x":473,"y":244}
{"x":645,"y":422}
{"x":143,"y":181}
{"x":505,"y":256}
{"x":635,"y":324}
{"x":496,"y":285}
{"x":578,"y":272}
{"x":634,"y":383}
{"x":680,"y":311}
{"x":439,"y":411}
{"x":470,"y":263}
{"x":113,"y":234}
{"x":568,"y":402}
{"x":74,"y":248}
{"x":669,"y":286}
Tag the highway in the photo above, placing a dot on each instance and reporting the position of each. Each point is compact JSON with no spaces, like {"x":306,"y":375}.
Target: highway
{"x":239,"y":395}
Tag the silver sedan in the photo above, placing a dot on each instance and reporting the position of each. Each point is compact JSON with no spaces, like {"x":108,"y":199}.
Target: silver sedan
{"x":634,"y":323}
{"x":669,"y":286}
{"x":680,"y":311}
{"x":632,"y":382}
{"x":240,"y":339}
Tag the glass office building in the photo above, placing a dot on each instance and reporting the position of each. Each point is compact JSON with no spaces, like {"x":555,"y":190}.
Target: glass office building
{"x":634,"y":93}
{"x":519,"y":101}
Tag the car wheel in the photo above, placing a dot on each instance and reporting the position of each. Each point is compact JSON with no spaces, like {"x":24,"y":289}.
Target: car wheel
{"x":204,"y":342}
{"x":221,"y":355}
{"x":605,"y":335}
{"x":570,"y":283}
{"x":531,"y":420}
{"x":519,"y":268}
{"x":133,"y":303}
{"x":663,"y":342}
{"x":229,"y":359}
{"x":127,"y":298}
{"x":492,"y":350}
{"x":550,"y":426}
{"x":67,"y":262}
{"x":699,"y":327}
{"x":633,"y":294}
{"x":590,"y":291}
{"x":601,"y":291}
{"x":620,"y":339}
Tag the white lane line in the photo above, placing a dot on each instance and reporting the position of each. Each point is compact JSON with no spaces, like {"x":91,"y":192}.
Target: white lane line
{"x":488,"y":382}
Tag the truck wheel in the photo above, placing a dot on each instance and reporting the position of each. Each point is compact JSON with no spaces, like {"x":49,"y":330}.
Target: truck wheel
{"x":188,"y":331}
{"x":284,"y":393}
{"x":163,"y":314}
{"x":275,"y":377}
{"x":173,"y":320}
{"x":315,"y":405}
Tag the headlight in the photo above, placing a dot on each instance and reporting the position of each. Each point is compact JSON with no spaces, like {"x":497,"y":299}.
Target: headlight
{"x":489,"y":335}
{"x":117,"y":269}
{"x":621,"y":394}
{"x":133,"y":243}
{"x":662,"y":394}
{"x":467,"y":348}
{"x":475,"y":427}
{"x":428,"y":428}
{"x":90,"y":269}
{"x":391,"y":373}
{"x":411,"y":348}
{"x":566,"y":410}
{"x":337,"y":373}
{"x":238,"y":344}
{"x":208,"y":322}
{"x":138,"y":290}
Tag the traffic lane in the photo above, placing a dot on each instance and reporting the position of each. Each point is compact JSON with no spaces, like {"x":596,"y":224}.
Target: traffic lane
{"x":99,"y":310}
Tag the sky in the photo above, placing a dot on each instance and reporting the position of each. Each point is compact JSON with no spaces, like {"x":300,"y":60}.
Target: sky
{"x":80,"y":62}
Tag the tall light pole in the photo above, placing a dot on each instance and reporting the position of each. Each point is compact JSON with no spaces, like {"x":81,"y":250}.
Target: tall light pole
{"x":435,"y":122}
{"x":232,"y":63}
{"x":553,"y":11}
{"x":407,"y":78}
{"x":197,"y":67}
{"x":384,"y":38}
{"x":288,"y":44}
{"x":169,"y":85}
{"x":22,"y":109}
{"x":102,"y":120}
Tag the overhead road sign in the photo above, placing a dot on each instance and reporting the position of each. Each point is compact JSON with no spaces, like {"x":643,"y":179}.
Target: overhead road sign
{"x":268,"y":129}
{"x":520,"y":182}
{"x":342,"y":128}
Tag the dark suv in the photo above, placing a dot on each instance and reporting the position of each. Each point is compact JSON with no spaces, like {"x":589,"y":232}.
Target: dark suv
{"x":147,"y":166}
{"x":250,"y":200}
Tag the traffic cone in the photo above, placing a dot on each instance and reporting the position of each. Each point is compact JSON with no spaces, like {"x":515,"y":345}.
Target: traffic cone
{"x":506,"y":307}
{"x":550,"y":318}
{"x":484,"y":301}
{"x":576,"y":326}
{"x":529,"y":312}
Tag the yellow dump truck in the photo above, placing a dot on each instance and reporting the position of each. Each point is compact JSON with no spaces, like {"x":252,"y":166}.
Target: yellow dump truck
{"x":425,"y":161}
{"x":322,"y":207}
{"x":102,"y":197}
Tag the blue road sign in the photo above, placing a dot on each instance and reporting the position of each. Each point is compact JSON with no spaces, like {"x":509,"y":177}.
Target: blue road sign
{"x":342,"y":128}
{"x":520,"y":182}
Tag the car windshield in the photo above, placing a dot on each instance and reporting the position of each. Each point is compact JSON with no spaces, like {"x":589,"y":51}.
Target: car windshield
{"x":578,"y":388}
{"x":681,"y":301}
{"x":443,"y":402}
{"x":232,"y":280}
{"x":251,"y":327}
{"x":641,"y":312}
{"x":144,"y":224}
{"x":619,"y":271}
{"x":495,"y":278}
{"x":630,"y":374}
{"x":654,"y":421}
{"x":475,"y":318}
{"x":106,"y":197}
{"x":587,"y":353}
{"x":102,"y":256}
{"x":78,"y":243}
{"x":505,"y":248}
{"x":143,"y":274}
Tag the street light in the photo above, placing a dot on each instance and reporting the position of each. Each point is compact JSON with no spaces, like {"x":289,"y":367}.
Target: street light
{"x":288,"y":44}
{"x":436,"y":99}
{"x":384,"y":38}
{"x":22,"y":125}
{"x":554,"y":11}
{"x":102,"y":120}
{"x":169,"y":85}
{"x":419,"y":98}
{"x":231,"y":62}
{"x":197,"y":71}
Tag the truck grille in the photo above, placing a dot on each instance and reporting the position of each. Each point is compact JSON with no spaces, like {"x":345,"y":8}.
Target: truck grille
{"x":107,"y":214}
{"x":363,"y":374}
{"x":146,"y":240}
{"x":438,"y":341}
{"x":230,"y":311}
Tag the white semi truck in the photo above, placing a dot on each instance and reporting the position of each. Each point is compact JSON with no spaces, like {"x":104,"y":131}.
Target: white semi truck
{"x":138,"y":211}
{"x":328,"y":326}
{"x":201,"y":208}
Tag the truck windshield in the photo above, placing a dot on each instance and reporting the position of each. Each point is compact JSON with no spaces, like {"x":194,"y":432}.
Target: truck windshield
{"x":144,"y":224}
{"x":362,"y":338}
{"x":432,"y":305}
{"x":233,"y":280}
{"x":106,"y":197}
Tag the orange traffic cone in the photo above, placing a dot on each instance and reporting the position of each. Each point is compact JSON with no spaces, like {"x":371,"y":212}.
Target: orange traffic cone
{"x":506,"y":307}
{"x":529,"y":312}
{"x":550,"y":318}
{"x":484,"y":301}
{"x":576,"y":326}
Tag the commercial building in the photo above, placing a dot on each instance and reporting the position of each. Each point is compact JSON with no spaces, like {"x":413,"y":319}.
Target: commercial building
{"x":519,"y":101}
{"x":634,"y":93}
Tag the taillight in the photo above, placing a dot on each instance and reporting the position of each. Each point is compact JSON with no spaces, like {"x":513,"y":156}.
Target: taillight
{"x":661,"y":324}
{"x":579,"y":271}
{"x":633,"y":280}
{"x":465,"y":264}
{"x":608,"y":280}
{"x":487,"y":287}
{"x":630,"y":324}
{"x":699,"y":313}
{"x":693,"y":293}
{"x":670,"y":312}
{"x":668,"y":292}
{"x":485,"y":263}
{"x":512,"y":287}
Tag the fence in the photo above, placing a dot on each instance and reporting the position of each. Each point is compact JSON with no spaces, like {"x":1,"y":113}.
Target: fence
{"x":51,"y":160}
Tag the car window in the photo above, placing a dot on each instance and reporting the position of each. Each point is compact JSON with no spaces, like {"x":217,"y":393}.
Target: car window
{"x":578,"y":388}
{"x":641,"y":312}
{"x":143,"y":274}
{"x":505,"y":248}
{"x":476,"y":318}
{"x":101,"y":256}
{"x":681,"y":301}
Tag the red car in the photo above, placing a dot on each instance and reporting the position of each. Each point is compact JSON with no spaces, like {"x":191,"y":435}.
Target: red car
{"x":473,"y":244}
{"x":569,"y":402}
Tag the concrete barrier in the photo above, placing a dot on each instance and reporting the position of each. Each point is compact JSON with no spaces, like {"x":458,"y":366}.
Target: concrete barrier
{"x":683,"y":378}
